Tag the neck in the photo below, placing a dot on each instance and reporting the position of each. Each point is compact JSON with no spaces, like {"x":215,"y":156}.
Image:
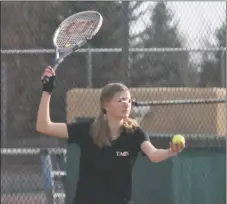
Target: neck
{"x":115,"y":125}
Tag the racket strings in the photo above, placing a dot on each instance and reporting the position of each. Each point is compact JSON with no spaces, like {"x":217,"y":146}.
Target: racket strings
{"x":75,"y":30}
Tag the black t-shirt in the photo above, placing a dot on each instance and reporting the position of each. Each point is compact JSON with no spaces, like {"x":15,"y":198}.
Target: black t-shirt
{"x":105,"y":174}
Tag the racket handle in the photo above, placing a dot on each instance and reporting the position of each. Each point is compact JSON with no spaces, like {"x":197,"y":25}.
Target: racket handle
{"x":57,"y":60}
{"x":56,"y":63}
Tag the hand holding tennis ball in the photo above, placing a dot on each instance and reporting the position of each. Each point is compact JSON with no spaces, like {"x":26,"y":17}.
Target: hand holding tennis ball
{"x":178,"y":139}
{"x":177,"y":144}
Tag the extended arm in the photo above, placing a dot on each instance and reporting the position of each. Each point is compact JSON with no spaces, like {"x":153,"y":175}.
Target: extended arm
{"x":158,"y":155}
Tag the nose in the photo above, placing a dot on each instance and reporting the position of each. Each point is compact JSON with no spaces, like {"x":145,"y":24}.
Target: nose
{"x":126,"y":104}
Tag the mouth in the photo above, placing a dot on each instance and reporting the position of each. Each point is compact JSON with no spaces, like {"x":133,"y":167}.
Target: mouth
{"x":126,"y":111}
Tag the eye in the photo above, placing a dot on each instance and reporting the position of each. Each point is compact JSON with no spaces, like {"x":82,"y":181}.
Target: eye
{"x":124,"y":99}
{"x":120,"y":100}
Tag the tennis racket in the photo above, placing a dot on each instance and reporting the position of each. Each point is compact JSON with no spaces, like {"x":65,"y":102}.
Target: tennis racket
{"x":73,"y":33}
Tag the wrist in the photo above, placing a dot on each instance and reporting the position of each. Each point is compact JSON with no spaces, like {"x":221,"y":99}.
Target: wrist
{"x":47,"y":93}
{"x":50,"y":85}
{"x":171,"y":153}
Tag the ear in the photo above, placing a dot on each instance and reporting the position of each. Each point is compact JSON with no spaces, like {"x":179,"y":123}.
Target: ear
{"x":104,"y":110}
{"x":105,"y":106}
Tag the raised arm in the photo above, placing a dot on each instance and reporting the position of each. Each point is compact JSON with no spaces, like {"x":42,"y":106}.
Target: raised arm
{"x":44,"y":124}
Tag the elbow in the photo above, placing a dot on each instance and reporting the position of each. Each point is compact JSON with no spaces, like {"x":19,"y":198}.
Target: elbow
{"x":154,"y":160}
{"x":154,"y":157}
{"x":41,"y":128}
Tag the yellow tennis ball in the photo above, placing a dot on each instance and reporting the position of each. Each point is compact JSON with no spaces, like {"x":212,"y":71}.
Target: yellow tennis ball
{"x":178,"y":139}
{"x":67,"y":45}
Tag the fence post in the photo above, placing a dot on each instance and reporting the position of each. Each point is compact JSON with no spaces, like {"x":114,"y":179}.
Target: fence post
{"x":89,"y":67}
{"x":48,"y":183}
{"x":125,"y":42}
{"x":223,"y":69}
{"x":4,"y":104}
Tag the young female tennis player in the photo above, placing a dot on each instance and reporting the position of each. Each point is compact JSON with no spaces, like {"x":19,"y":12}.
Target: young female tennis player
{"x":109,"y":144}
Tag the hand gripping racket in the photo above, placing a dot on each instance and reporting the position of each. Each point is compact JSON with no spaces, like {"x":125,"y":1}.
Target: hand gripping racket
{"x":73,"y":33}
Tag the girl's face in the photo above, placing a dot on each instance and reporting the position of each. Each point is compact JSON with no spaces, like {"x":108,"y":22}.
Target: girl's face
{"x":120,"y":105}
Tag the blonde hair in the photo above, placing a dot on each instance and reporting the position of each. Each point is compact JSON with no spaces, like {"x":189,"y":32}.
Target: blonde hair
{"x":100,"y":131}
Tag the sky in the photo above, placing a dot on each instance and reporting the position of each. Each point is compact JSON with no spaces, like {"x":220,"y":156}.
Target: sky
{"x":197,"y":20}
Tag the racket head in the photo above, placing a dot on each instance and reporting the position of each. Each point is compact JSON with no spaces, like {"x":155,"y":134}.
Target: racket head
{"x":75,"y":30}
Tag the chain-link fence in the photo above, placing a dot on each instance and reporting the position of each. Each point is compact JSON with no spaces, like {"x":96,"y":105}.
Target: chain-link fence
{"x":165,"y":52}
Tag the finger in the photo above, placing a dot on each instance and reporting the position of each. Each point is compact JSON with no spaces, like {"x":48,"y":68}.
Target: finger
{"x":173,"y":147}
{"x":49,"y":71}
{"x":182,"y":145}
{"x":46,"y":75}
{"x":179,"y":147}
{"x":49,"y":68}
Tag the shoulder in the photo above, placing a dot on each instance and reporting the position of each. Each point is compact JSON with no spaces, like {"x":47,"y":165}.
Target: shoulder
{"x":79,"y":129}
{"x":140,"y":135}
{"x":135,"y":138}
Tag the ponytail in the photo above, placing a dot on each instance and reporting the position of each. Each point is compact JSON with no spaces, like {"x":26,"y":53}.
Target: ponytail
{"x":100,"y":131}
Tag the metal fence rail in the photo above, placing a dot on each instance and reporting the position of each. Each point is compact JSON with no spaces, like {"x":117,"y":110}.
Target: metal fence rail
{"x":82,"y":50}
{"x":30,"y":151}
